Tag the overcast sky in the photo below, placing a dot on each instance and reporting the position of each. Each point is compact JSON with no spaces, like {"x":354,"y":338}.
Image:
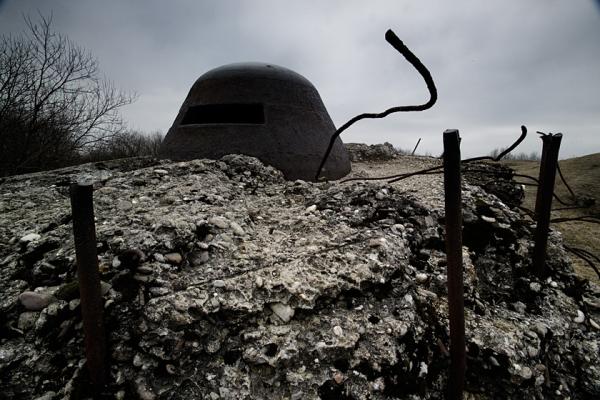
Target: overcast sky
{"x":497,"y":64}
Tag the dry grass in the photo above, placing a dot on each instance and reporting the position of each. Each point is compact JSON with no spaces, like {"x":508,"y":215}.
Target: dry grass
{"x":583,"y":175}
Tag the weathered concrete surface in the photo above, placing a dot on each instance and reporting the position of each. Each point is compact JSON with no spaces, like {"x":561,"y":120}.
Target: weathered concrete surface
{"x":224,"y":281}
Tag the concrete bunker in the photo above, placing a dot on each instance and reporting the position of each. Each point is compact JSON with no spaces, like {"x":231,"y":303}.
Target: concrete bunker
{"x":261,"y":110}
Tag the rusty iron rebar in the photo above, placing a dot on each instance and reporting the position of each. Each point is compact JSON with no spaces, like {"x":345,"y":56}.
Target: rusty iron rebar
{"x":84,"y":232}
{"x":543,"y":200}
{"x":453,"y":216}
{"x":397,"y":44}
{"x":415,"y":149}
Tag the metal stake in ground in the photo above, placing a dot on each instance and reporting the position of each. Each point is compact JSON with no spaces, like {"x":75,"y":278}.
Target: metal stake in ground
{"x":453,"y":210}
{"x":543,"y":200}
{"x":415,"y":149}
{"x":84,"y":231}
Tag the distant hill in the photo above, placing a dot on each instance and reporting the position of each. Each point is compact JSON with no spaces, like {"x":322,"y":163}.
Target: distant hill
{"x":583,"y":176}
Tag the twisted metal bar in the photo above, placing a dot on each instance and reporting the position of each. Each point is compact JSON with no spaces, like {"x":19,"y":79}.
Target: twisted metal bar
{"x":585,"y":256}
{"x":397,"y":44}
{"x":564,"y":181}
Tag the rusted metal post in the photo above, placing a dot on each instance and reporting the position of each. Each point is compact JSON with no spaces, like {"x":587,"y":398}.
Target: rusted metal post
{"x":453,"y":210}
{"x":415,"y":149}
{"x":543,"y":200}
{"x":84,"y":232}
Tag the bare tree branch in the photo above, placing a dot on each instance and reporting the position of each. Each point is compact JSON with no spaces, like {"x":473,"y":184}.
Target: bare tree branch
{"x":54,"y":104}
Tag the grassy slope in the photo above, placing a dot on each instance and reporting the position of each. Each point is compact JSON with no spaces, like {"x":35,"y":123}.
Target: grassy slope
{"x":583,"y":175}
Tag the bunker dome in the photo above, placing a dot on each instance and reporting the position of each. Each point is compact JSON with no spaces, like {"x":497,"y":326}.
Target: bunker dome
{"x":261,"y":110}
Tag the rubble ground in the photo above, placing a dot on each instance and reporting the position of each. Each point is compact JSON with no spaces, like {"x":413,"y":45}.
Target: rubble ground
{"x":221,"y":280}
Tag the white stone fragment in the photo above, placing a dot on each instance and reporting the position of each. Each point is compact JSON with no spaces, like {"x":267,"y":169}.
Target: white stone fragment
{"x":259,"y":282}
{"x":219,"y":222}
{"x":219,"y":283}
{"x":283,"y":311}
{"x":236,"y":228}
{"x":526,"y":373}
{"x":30,"y":237}
{"x":580,"y":317}
{"x":490,"y":220}
{"x":377,"y":242}
{"x":535,"y":287}
{"x":338,"y":331}
{"x":311,"y":209}
{"x":422,"y":369}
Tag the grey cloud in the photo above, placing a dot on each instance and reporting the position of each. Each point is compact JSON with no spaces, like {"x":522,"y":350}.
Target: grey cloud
{"x":497,"y":64}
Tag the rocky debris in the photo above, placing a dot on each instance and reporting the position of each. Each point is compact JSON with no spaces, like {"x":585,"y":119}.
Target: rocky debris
{"x":224,"y":281}
{"x":34,"y":301}
{"x":360,"y":152}
{"x":30,"y":237}
{"x":496,"y":179}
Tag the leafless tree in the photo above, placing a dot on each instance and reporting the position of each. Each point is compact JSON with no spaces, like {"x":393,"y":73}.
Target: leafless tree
{"x":126,"y":144}
{"x":533,"y":156}
{"x":53,"y":102}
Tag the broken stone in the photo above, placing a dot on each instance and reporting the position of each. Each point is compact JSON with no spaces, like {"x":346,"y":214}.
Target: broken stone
{"x":338,"y":331}
{"x":34,"y":301}
{"x":237,"y":229}
{"x":535,"y":287}
{"x":30,"y":237}
{"x":580,"y":318}
{"x":377,"y":242}
{"x":541,"y":329}
{"x":489,"y":220}
{"x":219,"y":222}
{"x":525,"y":373}
{"x":283,"y":311}
{"x":382,"y":194}
{"x":421,"y":277}
{"x":124,"y":205}
{"x":27,"y":320}
{"x":519,"y":307}
{"x":374,"y":152}
{"x":143,"y":391}
{"x":311,"y":209}
{"x":174,"y":258}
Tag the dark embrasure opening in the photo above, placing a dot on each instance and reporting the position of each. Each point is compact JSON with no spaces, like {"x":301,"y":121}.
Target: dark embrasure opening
{"x":225,"y":114}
